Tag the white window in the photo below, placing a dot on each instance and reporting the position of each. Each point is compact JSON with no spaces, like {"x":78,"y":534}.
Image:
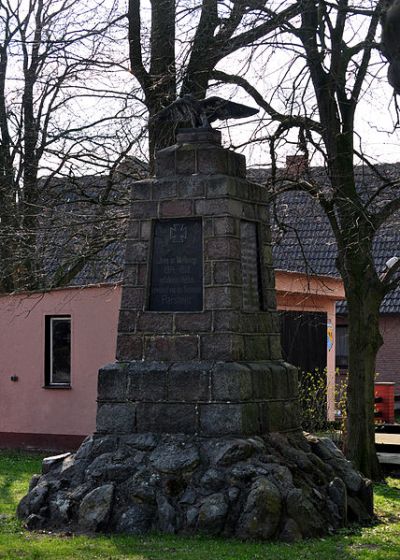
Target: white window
{"x":58,"y":351}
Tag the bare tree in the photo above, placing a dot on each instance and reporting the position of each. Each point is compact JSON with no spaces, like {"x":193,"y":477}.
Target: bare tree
{"x":208,"y":31}
{"x":64,"y":111}
{"x":332,"y":46}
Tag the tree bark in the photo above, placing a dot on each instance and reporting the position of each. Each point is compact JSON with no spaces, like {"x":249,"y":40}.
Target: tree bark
{"x":364,"y":342}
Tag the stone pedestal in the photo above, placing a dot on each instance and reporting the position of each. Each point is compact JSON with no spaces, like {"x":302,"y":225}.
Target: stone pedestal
{"x":197,"y":426}
{"x":198,"y":344}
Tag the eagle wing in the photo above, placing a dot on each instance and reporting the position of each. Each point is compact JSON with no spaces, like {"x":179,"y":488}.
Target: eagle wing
{"x":179,"y":110}
{"x":222,"y":109}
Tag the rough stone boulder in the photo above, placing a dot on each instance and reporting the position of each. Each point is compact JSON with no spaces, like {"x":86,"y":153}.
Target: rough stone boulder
{"x":271,"y":487}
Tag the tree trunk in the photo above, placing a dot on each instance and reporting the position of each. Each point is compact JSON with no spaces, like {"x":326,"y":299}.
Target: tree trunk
{"x":364,"y":297}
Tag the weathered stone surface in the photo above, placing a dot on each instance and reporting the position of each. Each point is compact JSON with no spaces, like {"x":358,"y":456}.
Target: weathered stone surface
{"x":116,"y":418}
{"x":290,"y":532}
{"x":234,"y":451}
{"x":262,"y":511}
{"x":338,"y":494}
{"x":166,"y":515}
{"x":213,"y":479}
{"x":60,"y":508}
{"x":175,"y":457}
{"x":143,"y":442}
{"x":95,"y":508}
{"x":49,"y":463}
{"x":253,"y":488}
{"x":212,"y":514}
{"x":136,"y":520}
{"x":33,"y":502}
{"x":302,"y":510}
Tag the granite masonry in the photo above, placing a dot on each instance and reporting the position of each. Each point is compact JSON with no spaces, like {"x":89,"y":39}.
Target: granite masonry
{"x":197,"y":423}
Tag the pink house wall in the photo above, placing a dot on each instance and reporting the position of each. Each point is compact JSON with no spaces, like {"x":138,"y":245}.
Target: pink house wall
{"x":300,"y":292}
{"x":31,"y":414}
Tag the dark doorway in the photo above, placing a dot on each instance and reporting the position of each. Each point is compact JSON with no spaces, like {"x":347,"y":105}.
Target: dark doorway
{"x":304,"y":339}
{"x":304,"y":342}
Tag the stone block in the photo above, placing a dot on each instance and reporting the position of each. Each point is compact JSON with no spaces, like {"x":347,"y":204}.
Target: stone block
{"x":130,"y":275}
{"x":141,"y":190}
{"x":226,"y":226}
{"x":145,"y":230}
{"x":275,"y":348}
{"x":176,"y":208}
{"x":267,"y":254}
{"x":263,"y":411}
{"x":193,"y":322}
{"x":221,"y":187}
{"x":264,"y":323}
{"x":166,"y":417}
{"x":189,"y":381}
{"x":129,"y":347}
{"x":147,"y":384}
{"x":154,"y":322}
{"x":171,"y":348}
{"x":223,"y":297}
{"x":220,"y":206}
{"x":249,"y":323}
{"x":142,"y":275}
{"x":185,"y":161}
{"x":279,"y":380}
{"x":231,"y":382}
{"x":132,"y":298}
{"x":262,"y":380}
{"x":207,"y":274}
{"x":164,"y":189}
{"x":256,"y":347}
{"x":208,"y":228}
{"x":264,"y":213}
{"x":190,"y":187}
{"x":116,"y":418}
{"x":227,"y":321}
{"x":127,"y":321}
{"x":112,"y":383}
{"x":224,"y":346}
{"x":133,"y":229}
{"x":249,"y":211}
{"x":144,"y":210}
{"x":292,"y":380}
{"x":212,"y":161}
{"x":165,"y":163}
{"x":229,"y":419}
{"x":136,"y":252}
{"x":292,"y":414}
{"x":222,"y":248}
{"x":236,"y":165}
{"x":283,"y":416}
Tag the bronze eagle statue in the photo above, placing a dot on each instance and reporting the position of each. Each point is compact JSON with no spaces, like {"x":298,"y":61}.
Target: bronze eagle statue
{"x":200,"y":113}
{"x":390,"y":42}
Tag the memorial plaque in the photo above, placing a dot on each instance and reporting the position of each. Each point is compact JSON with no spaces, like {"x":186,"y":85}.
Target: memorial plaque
{"x":250,"y":266}
{"x":176,"y":282}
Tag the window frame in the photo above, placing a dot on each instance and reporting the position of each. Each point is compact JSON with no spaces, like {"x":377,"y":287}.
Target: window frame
{"x":49,"y":350}
{"x":343,"y":328}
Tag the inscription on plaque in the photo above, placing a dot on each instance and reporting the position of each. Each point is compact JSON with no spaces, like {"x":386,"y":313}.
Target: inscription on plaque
{"x":176,"y":282}
{"x":250,"y":266}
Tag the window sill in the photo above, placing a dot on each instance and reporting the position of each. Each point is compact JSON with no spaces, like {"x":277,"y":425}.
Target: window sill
{"x":62,"y":387}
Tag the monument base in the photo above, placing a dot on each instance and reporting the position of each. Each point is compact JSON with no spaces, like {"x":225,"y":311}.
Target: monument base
{"x":276,"y":486}
{"x":206,"y":398}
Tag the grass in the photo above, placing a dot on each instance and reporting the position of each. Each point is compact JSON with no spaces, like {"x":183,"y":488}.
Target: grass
{"x":380,"y":542}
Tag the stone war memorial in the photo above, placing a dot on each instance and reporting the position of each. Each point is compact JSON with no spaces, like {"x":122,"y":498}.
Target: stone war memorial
{"x":197,"y":425}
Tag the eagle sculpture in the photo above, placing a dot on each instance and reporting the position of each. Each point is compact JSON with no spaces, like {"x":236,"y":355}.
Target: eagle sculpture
{"x":202,"y":112}
{"x":391,"y":42}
